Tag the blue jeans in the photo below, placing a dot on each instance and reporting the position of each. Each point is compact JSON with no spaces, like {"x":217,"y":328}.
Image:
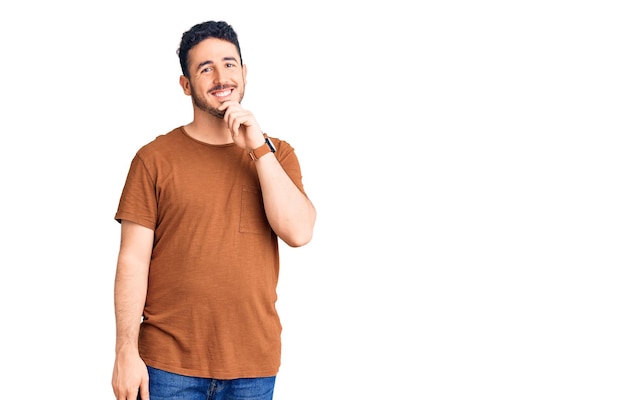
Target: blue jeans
{"x":168,"y":386}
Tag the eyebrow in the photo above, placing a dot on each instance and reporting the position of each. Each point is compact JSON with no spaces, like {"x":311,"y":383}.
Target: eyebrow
{"x":209,"y":62}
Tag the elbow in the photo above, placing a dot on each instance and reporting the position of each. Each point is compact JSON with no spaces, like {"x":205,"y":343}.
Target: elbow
{"x":297,"y":232}
{"x":298,"y":237}
{"x":298,"y":240}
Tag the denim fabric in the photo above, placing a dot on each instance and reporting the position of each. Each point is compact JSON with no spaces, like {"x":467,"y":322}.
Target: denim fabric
{"x":168,"y":386}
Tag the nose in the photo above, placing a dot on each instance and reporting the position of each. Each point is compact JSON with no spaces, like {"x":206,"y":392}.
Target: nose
{"x":219,"y":76}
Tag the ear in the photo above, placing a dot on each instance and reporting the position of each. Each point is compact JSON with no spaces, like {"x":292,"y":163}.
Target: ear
{"x":184,"y":83}
{"x":244,"y":73}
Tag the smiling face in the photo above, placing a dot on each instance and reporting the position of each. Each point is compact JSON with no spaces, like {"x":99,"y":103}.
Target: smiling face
{"x":215,"y":75}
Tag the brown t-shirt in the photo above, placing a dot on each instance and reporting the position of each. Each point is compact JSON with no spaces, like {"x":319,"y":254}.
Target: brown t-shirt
{"x":210,"y":307}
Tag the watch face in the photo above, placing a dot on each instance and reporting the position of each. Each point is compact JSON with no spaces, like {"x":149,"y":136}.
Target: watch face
{"x":270,"y":144}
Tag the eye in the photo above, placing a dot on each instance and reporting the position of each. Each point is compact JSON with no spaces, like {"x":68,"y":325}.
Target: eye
{"x":230,"y":65}
{"x":205,"y":70}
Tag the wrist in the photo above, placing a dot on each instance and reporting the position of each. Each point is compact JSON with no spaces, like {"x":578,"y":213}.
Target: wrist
{"x":265,"y":148}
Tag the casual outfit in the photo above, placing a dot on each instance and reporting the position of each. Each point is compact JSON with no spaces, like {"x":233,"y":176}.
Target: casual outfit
{"x":210,"y":308}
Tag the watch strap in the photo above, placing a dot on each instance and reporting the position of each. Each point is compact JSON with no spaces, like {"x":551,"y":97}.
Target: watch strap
{"x":267,"y":147}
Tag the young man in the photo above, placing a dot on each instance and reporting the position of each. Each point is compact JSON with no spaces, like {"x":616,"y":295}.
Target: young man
{"x":201,"y":212}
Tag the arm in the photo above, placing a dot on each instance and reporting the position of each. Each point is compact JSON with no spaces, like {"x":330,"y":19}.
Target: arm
{"x":131,"y":283}
{"x":289,"y":212}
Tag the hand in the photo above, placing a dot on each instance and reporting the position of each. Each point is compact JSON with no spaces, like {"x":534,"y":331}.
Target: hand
{"x":244,"y":128}
{"x":130,"y":376}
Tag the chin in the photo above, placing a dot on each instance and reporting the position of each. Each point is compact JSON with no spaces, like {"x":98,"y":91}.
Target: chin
{"x":217,"y":113}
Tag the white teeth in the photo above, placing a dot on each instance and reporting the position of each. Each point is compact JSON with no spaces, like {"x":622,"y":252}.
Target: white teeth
{"x":222,"y":94}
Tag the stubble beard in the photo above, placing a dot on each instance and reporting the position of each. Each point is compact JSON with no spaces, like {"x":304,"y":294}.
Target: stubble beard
{"x":203,"y":105}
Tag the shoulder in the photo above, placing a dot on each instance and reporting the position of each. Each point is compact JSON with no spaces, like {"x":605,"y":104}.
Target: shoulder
{"x":161,"y":143}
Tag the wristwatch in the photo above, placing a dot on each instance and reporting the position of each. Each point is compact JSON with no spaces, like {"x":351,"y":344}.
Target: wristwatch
{"x":265,"y":148}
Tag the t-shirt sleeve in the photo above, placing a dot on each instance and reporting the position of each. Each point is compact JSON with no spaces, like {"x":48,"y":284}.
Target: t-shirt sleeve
{"x":289,"y":161}
{"x":138,"y":201}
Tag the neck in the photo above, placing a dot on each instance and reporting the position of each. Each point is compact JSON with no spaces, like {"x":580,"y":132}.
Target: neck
{"x":208,"y":128}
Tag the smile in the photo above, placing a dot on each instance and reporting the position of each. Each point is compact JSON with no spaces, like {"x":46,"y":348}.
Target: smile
{"x":222,"y":93}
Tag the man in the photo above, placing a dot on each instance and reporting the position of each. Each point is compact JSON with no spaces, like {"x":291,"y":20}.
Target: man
{"x":201,"y":212}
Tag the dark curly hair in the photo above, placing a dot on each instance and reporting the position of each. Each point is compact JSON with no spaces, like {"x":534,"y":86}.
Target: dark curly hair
{"x":201,"y":31}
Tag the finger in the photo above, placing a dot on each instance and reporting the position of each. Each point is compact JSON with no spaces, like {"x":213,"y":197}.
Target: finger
{"x":230,"y":115}
{"x":226,"y":104}
{"x":143,"y":393}
{"x":234,"y":128}
{"x":233,"y":121}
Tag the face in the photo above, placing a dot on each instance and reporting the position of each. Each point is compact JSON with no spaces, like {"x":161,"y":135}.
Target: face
{"x":215,"y":75}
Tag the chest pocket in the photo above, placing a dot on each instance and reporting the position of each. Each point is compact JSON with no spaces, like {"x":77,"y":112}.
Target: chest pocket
{"x":253,"y":219}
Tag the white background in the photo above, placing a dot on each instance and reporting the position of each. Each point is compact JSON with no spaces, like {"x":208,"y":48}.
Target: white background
{"x":466,"y":160}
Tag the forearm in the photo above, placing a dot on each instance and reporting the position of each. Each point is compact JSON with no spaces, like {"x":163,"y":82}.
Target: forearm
{"x":129,"y":297}
{"x":131,"y":281}
{"x":289,"y":212}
